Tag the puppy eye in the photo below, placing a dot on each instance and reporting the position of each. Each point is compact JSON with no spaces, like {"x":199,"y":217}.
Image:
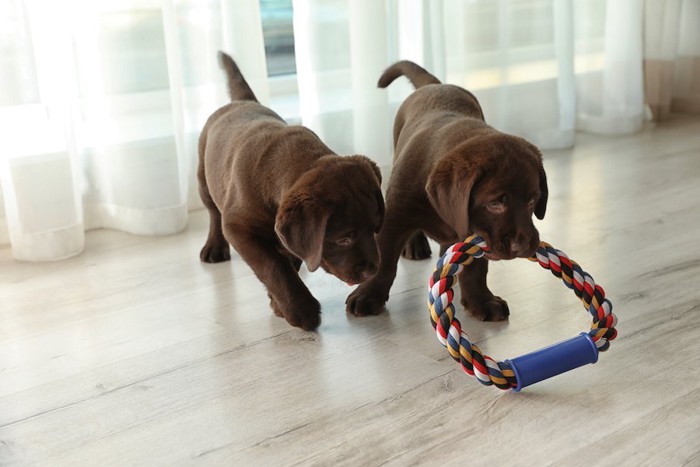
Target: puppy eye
{"x":496,"y":207}
{"x":531,"y":204}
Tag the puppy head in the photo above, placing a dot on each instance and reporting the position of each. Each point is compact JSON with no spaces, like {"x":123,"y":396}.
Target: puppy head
{"x":329,"y":218}
{"x":492,"y":186}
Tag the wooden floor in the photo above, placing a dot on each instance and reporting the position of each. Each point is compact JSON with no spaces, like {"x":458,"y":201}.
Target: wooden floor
{"x":135,"y":353}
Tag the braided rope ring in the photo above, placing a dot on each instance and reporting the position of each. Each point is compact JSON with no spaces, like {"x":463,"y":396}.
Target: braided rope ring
{"x":504,"y":375}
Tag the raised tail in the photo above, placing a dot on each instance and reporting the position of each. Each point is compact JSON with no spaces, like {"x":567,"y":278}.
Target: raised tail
{"x":418,"y":75}
{"x":238,"y":87}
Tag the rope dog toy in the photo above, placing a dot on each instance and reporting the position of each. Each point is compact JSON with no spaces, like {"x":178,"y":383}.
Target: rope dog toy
{"x":538,"y":365}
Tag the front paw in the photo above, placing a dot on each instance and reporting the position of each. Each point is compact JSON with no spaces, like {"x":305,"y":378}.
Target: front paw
{"x":275,"y":307}
{"x":417,"y":247}
{"x":491,"y":308}
{"x":365,"y":300}
{"x":306,"y":314}
{"x":215,"y":252}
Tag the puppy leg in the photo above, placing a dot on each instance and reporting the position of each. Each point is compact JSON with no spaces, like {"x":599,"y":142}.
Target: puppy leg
{"x":476,"y":296}
{"x":369,"y":297}
{"x":289,"y":296}
{"x":296,"y":263}
{"x":417,"y":247}
{"x":216,"y":247}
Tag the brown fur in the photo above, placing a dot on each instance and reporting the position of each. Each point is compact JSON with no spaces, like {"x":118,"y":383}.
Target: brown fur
{"x":454,"y":175}
{"x":278,"y":195}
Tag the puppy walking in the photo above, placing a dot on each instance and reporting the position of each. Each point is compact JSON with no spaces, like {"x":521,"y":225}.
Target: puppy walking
{"x":278,"y":195}
{"x":453,"y":175}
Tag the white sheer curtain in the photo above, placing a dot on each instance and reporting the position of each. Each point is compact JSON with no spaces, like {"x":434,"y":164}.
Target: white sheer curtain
{"x":102,"y":101}
{"x":541,"y":69}
{"x":672,"y":56}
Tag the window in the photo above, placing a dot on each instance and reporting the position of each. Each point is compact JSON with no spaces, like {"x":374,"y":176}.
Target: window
{"x":521,"y":34}
{"x":132,"y":55}
{"x":278,"y":34}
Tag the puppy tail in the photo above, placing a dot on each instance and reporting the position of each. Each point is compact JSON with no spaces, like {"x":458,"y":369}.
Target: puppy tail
{"x":238,"y":87}
{"x":418,"y":75}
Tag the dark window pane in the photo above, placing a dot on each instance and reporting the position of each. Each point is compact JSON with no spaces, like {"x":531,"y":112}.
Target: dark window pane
{"x":278,"y":34}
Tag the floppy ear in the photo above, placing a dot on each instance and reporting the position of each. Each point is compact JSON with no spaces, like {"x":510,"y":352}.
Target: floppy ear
{"x":449,"y":188}
{"x":380,"y":206}
{"x":541,"y":206}
{"x":301,"y":227}
{"x":377,"y":192}
{"x":374,"y":169}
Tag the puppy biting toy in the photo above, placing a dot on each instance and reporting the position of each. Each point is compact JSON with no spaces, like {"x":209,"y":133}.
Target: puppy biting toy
{"x":538,"y":365}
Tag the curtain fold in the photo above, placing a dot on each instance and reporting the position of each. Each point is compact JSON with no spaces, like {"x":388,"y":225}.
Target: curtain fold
{"x":102,"y":102}
{"x":109,"y":138}
{"x":341,"y":49}
{"x":672,"y":57}
{"x":520,"y":67}
{"x":613,"y":104}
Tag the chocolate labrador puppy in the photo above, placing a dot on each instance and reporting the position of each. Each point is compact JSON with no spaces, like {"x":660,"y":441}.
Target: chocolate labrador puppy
{"x":278,"y":195}
{"x":454,"y":175}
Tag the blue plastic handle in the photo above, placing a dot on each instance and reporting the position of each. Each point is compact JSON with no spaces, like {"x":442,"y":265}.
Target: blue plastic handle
{"x":553,"y":360}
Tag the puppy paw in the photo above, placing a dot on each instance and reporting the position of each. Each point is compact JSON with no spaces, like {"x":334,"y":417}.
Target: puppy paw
{"x":275,"y":307}
{"x":308,"y":321}
{"x":417,"y":247}
{"x":215,"y":253}
{"x":365,"y":301}
{"x":306,"y":316}
{"x":491,"y":308}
